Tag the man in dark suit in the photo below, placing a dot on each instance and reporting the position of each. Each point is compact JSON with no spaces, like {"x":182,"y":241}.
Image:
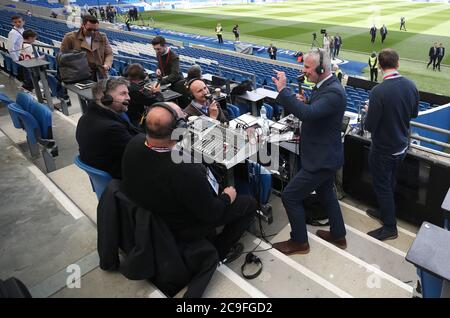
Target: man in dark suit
{"x":102,"y":133}
{"x":440,"y":56}
{"x":383,"y":33}
{"x":272,"y":50}
{"x":373,"y":33}
{"x":337,"y":45}
{"x":433,"y":55}
{"x":321,"y":151}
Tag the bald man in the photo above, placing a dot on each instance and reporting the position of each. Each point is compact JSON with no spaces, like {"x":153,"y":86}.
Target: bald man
{"x":201,"y":105}
{"x":185,"y":195}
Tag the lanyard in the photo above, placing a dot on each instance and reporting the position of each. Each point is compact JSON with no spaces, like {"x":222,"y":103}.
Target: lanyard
{"x":167,"y":61}
{"x":392,"y":75}
{"x":157,"y":149}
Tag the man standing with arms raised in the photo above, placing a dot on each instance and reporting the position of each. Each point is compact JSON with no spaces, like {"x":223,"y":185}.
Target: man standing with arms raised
{"x":321,"y":151}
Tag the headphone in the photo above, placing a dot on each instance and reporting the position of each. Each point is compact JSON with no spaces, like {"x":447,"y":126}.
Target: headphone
{"x":106,"y":99}
{"x":177,"y":122}
{"x":140,"y":74}
{"x":189,"y":84}
{"x":319,"y":69}
{"x":252,"y":258}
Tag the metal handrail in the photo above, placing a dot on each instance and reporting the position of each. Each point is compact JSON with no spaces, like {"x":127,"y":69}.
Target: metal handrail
{"x":432,"y":128}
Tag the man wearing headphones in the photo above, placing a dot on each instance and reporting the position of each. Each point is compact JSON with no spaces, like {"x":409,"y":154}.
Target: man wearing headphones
{"x":202,"y":103}
{"x":185,"y":195}
{"x":102,"y":133}
{"x":140,"y":96}
{"x":321,"y":151}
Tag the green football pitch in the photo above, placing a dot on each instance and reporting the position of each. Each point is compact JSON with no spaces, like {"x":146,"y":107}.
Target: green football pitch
{"x":290,"y":25}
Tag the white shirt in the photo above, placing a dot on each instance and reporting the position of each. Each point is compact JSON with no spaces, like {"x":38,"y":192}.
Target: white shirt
{"x":89,"y":40}
{"x":14,"y":44}
{"x":322,"y":81}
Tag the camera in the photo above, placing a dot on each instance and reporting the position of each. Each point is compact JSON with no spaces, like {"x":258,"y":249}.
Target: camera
{"x":210,"y":97}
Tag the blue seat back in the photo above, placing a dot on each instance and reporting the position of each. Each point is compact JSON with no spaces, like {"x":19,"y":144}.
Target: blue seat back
{"x":43,"y":116}
{"x":26,"y":121}
{"x":260,"y":177}
{"x":24,"y":100}
{"x":269,"y":110}
{"x":99,"y":179}
{"x":5,"y":99}
{"x":233,"y":111}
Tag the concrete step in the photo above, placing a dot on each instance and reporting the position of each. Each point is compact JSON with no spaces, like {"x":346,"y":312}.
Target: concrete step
{"x":283,"y":277}
{"x":346,"y":271}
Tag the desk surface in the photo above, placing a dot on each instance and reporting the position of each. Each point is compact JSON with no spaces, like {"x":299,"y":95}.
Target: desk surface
{"x":266,"y":93}
{"x":251,"y":96}
{"x":83,"y":93}
{"x":430,"y":250}
{"x":170,"y":95}
{"x":33,"y":63}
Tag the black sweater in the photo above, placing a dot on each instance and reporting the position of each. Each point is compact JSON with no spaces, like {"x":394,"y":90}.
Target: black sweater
{"x":140,"y":97}
{"x":102,"y":136}
{"x":392,"y":104}
{"x":179,"y":193}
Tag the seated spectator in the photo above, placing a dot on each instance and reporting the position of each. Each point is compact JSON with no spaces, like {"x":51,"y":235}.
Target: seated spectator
{"x":202,"y":102}
{"x":28,"y":50}
{"x":185,"y":195}
{"x":195,"y":71}
{"x":140,"y":96}
{"x":102,"y":134}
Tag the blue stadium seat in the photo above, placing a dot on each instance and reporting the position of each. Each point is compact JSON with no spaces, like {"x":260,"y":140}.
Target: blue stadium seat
{"x":233,"y":111}
{"x":99,"y":179}
{"x":260,"y":181}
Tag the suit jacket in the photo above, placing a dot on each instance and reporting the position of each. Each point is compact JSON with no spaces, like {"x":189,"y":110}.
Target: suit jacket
{"x":169,"y":65}
{"x":274,"y":51}
{"x":441,"y":51}
{"x":433,"y":52}
{"x":139,"y":98}
{"x":320,"y":139}
{"x":99,"y":54}
{"x":151,"y":251}
{"x":191,"y":110}
{"x":102,"y":136}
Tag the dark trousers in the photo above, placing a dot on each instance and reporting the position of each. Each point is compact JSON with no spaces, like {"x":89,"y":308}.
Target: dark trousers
{"x":238,"y":217}
{"x":301,"y":185}
{"x":372,"y":39}
{"x":438,"y":64}
{"x":219,"y":37}
{"x":432,"y":60}
{"x":336,"y":50}
{"x":383,"y":37}
{"x":373,"y":74}
{"x":384,"y":168}
{"x":273,"y":57}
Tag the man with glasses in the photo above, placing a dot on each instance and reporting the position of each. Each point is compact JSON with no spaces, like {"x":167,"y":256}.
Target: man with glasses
{"x":94,"y":43}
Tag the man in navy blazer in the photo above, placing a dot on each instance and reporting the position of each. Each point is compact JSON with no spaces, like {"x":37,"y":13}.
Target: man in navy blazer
{"x":321,"y":151}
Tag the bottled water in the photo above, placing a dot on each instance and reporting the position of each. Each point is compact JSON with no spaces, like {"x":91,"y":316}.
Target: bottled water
{"x":265,"y":126}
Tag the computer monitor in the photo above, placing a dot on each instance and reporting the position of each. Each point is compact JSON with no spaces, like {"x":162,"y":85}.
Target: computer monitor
{"x":218,"y":81}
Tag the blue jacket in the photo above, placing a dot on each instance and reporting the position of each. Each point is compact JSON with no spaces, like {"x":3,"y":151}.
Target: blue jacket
{"x":320,"y":140}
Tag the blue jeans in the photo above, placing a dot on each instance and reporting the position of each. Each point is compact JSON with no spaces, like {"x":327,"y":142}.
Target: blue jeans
{"x":384,"y":168}
{"x":301,"y":185}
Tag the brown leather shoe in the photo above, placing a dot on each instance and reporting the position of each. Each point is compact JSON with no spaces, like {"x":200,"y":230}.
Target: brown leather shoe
{"x":340,"y":242}
{"x":290,"y":247}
